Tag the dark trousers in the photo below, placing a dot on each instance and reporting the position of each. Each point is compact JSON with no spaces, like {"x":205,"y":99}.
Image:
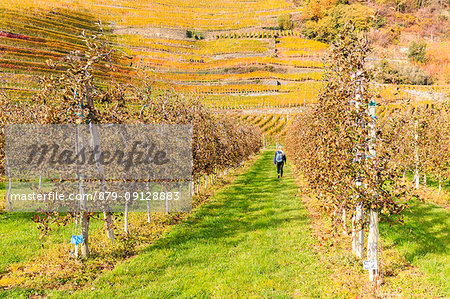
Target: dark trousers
{"x":280,"y":168}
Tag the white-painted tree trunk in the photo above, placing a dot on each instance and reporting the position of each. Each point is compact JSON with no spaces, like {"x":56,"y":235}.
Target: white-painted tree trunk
{"x":206,"y":182}
{"x":149,"y":214}
{"x":372,"y":242}
{"x":108,"y":225}
{"x":416,"y":178}
{"x":167,"y":202}
{"x":440,"y":186}
{"x":358,"y":232}
{"x":125,"y":220}
{"x":344,"y":221}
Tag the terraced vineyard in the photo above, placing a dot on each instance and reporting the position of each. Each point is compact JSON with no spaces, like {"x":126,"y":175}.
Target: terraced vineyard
{"x":204,"y":15}
{"x":231,"y":54}
{"x":273,"y":125}
{"x":29,"y":40}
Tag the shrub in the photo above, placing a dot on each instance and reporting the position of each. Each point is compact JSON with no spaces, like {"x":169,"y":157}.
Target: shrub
{"x":285,"y":22}
{"x":326,"y":28}
{"x":417,"y":51}
{"x":401,"y":74}
{"x":194,"y":34}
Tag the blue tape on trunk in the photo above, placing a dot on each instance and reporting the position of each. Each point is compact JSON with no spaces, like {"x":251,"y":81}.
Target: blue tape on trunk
{"x":76,"y":239}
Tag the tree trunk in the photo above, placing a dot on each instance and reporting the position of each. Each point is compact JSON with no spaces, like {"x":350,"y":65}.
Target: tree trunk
{"x":125,"y":220}
{"x":108,"y":225}
{"x":344,"y":221}
{"x":84,"y":219}
{"x":358,"y":232}
{"x":107,"y":215}
{"x":416,"y":178}
{"x":167,"y":202}
{"x":8,"y":192}
{"x":149,"y":215}
{"x":84,"y":223}
{"x":416,"y":171}
{"x":198,"y":185}
{"x":372,"y":243}
{"x":440,"y":186}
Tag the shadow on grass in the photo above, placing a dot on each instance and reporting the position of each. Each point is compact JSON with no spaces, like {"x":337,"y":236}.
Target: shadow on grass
{"x":426,"y":230}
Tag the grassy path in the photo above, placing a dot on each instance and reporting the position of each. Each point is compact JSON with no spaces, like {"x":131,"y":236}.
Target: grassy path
{"x":252,"y":239}
{"x":424,"y":242}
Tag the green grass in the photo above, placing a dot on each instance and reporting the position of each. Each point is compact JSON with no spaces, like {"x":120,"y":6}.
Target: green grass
{"x":423,"y":242}
{"x":252,"y":239}
{"x":19,"y":238}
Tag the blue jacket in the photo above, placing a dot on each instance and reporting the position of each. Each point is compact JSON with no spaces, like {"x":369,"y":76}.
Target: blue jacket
{"x":275,"y":157}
